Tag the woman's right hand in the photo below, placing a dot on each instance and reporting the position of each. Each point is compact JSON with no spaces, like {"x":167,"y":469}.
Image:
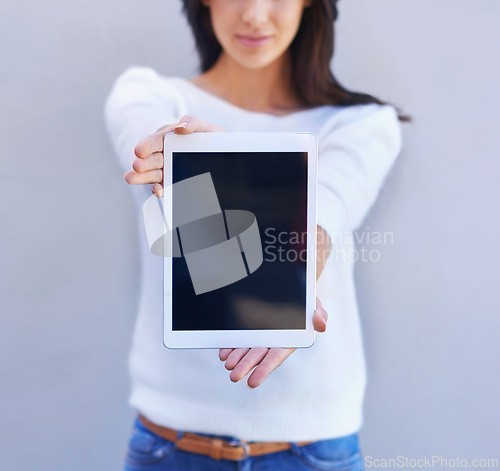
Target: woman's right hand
{"x":148,"y":165}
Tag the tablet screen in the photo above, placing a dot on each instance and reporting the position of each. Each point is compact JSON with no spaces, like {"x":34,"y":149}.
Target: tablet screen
{"x":272,"y":186}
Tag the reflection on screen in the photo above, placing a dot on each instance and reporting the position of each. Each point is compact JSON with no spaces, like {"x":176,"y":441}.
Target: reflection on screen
{"x":272,"y":186}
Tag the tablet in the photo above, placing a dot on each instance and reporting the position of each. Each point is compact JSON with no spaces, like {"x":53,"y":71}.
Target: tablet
{"x":239,"y":250}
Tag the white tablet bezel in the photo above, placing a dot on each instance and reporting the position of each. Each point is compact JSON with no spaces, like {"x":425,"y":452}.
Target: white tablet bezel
{"x":244,"y":142}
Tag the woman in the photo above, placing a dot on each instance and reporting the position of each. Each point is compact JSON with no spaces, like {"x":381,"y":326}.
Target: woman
{"x":265,"y":67}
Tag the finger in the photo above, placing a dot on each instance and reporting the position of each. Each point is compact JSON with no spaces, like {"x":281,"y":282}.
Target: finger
{"x":152,"y":176}
{"x":189,"y":124}
{"x":157,"y":189}
{"x":224,"y":352}
{"x":247,"y":363}
{"x":235,"y":356}
{"x":320,"y":317}
{"x":274,"y":358}
{"x":153,"y":143}
{"x":153,"y":162}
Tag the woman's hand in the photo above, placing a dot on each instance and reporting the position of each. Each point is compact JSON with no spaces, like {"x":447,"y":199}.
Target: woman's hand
{"x":148,"y":166}
{"x":241,"y":360}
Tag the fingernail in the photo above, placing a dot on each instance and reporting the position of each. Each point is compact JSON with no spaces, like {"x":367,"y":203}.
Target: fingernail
{"x":324,"y":321}
{"x":184,"y":124}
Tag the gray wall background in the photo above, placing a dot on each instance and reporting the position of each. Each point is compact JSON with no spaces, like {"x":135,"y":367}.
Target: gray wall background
{"x":69,"y":269}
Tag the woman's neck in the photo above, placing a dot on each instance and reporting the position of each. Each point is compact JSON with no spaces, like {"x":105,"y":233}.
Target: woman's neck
{"x":266,"y":89}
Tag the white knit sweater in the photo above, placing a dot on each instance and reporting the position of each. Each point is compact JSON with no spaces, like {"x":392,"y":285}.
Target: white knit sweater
{"x":317,"y":393}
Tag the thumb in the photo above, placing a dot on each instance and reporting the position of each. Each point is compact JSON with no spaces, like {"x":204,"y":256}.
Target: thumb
{"x":320,"y":317}
{"x":189,"y":124}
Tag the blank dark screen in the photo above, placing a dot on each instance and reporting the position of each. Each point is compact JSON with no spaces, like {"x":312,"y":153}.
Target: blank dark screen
{"x":273,"y":186}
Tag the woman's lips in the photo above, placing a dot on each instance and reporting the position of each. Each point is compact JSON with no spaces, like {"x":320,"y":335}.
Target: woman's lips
{"x":253,"y":41}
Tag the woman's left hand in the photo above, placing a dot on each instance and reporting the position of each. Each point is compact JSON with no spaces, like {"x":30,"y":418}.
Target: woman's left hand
{"x":240,"y":361}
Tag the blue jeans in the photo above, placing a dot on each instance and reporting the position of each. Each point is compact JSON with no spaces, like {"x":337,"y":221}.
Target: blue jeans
{"x":149,"y":452}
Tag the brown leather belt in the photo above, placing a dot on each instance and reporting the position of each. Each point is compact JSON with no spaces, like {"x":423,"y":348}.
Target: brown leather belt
{"x":216,"y":448}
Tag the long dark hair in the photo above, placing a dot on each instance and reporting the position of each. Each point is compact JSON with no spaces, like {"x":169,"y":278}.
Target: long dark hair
{"x":311,"y":54}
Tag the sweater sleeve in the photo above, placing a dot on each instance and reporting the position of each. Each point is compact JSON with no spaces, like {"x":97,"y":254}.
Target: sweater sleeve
{"x":140,"y":102}
{"x":357,"y":148}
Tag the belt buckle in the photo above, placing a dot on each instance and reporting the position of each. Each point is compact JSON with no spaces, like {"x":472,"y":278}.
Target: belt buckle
{"x":244,"y":445}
